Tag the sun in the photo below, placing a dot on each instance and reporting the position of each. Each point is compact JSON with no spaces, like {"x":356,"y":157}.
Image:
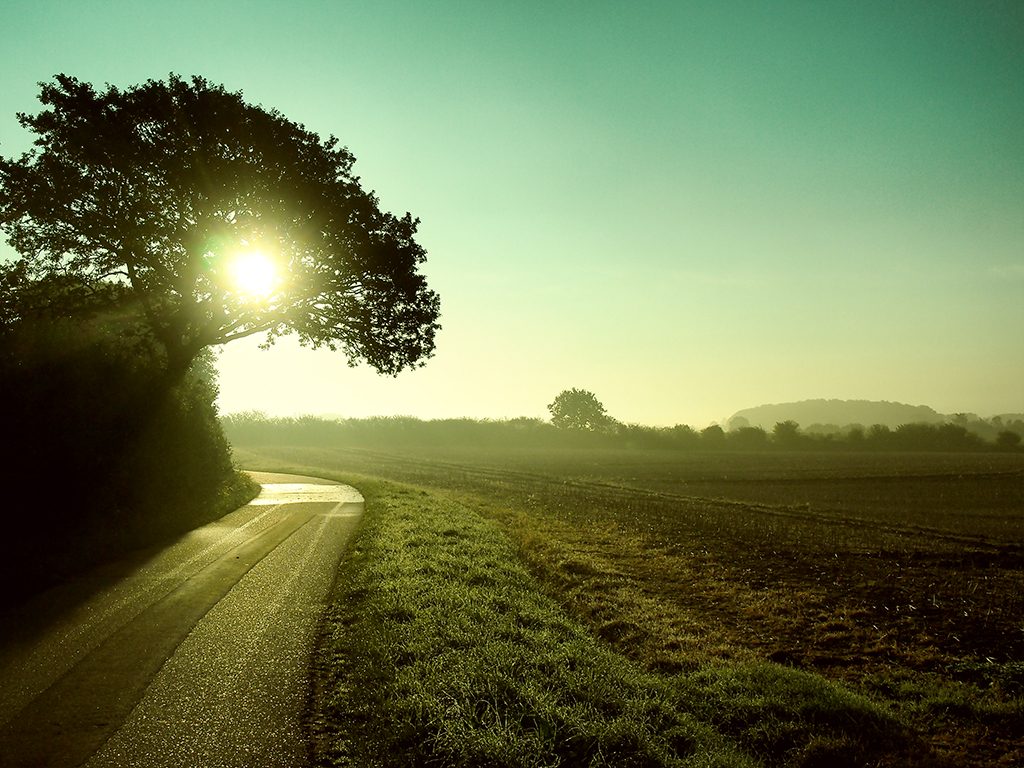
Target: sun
{"x":255,"y":274}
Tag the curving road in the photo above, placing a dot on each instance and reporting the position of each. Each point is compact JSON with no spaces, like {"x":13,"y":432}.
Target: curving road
{"x":193,"y":655}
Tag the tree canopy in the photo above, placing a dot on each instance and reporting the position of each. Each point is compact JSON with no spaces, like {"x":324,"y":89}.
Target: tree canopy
{"x":578,"y":409}
{"x":139,"y":207}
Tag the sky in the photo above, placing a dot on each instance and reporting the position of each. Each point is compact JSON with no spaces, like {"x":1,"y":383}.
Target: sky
{"x":686,"y":208}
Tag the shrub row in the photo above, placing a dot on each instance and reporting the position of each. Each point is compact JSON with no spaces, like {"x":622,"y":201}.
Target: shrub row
{"x":107,"y":454}
{"x":256,"y":428}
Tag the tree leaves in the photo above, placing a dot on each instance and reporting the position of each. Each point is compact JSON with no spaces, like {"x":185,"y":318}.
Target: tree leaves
{"x":153,"y":187}
{"x":579,"y":409}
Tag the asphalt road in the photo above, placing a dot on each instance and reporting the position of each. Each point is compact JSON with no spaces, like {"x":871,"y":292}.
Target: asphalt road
{"x":193,"y":655}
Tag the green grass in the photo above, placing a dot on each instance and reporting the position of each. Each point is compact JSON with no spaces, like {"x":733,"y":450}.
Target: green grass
{"x":440,"y":649}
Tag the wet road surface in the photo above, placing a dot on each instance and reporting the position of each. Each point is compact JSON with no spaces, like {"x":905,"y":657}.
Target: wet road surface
{"x":194,"y":655}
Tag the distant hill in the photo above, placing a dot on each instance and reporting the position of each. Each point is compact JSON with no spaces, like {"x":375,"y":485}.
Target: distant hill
{"x":837,"y":412}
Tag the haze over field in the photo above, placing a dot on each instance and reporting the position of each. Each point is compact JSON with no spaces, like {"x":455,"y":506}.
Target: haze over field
{"x":686,"y":208}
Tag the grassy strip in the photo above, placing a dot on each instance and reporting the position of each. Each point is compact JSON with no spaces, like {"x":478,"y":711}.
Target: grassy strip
{"x":445,"y":653}
{"x":440,"y":649}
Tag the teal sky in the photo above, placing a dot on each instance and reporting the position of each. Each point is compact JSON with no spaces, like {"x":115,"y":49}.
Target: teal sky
{"x":687,"y":208}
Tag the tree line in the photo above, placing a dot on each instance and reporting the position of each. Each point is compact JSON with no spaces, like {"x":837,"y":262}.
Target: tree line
{"x":396,"y":432}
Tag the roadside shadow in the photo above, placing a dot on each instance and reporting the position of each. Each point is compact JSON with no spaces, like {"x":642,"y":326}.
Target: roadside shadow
{"x":29,"y":617}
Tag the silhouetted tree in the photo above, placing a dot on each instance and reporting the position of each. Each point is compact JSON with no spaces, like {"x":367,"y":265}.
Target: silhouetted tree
{"x":787,"y":433}
{"x":736,"y":423}
{"x":578,"y":409}
{"x":136,"y":202}
{"x":1007,"y":440}
{"x":684,"y":436}
{"x":879,"y":436}
{"x":748,"y":438}
{"x":956,"y":437}
{"x":712,"y":436}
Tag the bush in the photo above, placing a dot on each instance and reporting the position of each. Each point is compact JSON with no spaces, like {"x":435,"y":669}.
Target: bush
{"x":110,"y":454}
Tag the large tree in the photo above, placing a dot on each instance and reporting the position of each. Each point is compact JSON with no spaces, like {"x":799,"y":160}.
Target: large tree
{"x":579,"y":409}
{"x":142,"y":206}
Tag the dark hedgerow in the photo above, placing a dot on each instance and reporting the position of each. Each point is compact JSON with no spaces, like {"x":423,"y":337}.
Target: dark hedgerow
{"x":109,"y":456}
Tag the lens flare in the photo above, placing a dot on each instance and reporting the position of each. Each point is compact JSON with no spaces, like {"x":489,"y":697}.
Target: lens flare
{"x":255,"y":274}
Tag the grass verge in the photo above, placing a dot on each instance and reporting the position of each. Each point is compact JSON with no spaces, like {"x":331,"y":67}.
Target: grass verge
{"x":441,"y":649}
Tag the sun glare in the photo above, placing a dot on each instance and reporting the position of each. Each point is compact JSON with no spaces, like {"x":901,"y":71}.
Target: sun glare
{"x":255,"y":274}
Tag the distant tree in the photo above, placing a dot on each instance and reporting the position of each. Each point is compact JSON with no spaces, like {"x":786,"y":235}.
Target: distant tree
{"x":879,"y":434}
{"x":737,"y":423}
{"x":823,"y":429}
{"x":748,"y":438}
{"x":579,"y":409}
{"x":855,"y":436}
{"x":915,"y":437}
{"x":1008,"y":440}
{"x":140,"y":204}
{"x":684,"y":436}
{"x":712,"y":436}
{"x":957,"y":437}
{"x":787,"y":433}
